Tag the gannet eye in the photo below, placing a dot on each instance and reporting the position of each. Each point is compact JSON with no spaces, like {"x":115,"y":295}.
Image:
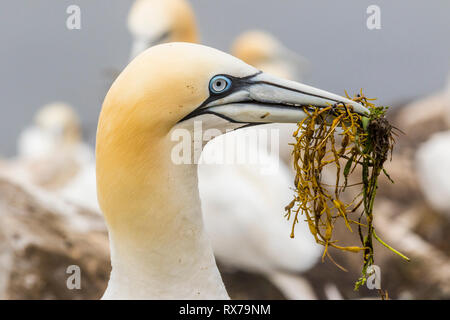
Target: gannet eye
{"x":219,"y":84}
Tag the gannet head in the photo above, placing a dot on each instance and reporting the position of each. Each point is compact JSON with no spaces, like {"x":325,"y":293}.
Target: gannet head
{"x":151,"y":204}
{"x":61,"y":120}
{"x":172,"y":85}
{"x":55,"y":126}
{"x":153,"y":22}
{"x":263,"y":51}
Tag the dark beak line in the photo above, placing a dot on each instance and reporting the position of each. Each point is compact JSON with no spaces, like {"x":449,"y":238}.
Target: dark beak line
{"x":295,"y":90}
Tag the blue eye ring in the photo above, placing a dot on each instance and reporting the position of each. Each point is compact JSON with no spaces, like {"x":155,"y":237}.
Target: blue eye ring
{"x":219,"y":84}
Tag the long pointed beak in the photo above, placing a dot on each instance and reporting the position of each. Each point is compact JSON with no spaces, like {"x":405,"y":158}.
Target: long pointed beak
{"x":263,"y":98}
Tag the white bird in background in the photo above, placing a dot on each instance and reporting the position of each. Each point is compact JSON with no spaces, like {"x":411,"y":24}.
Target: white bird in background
{"x":433,"y":156}
{"x":249,"y":231}
{"x":55,"y":125}
{"x":433,"y":170}
{"x":254,"y":235}
{"x":263,"y":51}
{"x":152,"y":22}
{"x":159,"y":247}
{"x":51,"y":154}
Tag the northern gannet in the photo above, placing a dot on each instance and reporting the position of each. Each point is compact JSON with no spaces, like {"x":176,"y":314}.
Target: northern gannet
{"x":51,"y":154}
{"x":265,"y":52}
{"x":159,"y":247}
{"x":243,"y":182}
{"x":55,"y":125}
{"x":153,"y":22}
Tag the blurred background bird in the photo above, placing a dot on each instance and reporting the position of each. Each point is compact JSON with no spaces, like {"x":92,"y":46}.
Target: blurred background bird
{"x":152,"y":22}
{"x":264,"y":51}
{"x":52,"y":154}
{"x":433,"y":156}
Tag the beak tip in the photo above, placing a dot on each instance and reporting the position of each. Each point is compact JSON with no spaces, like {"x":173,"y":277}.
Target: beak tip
{"x":359,"y":108}
{"x":363,"y":111}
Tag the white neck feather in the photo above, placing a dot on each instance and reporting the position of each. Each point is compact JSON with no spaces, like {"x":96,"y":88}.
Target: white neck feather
{"x":175,"y":264}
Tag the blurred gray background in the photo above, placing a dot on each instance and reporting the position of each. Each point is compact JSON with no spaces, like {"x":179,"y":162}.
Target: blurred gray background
{"x":41,"y":61}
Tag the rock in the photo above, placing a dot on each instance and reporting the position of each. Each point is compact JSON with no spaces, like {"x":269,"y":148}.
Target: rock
{"x":40,"y":237}
{"x":420,"y":119}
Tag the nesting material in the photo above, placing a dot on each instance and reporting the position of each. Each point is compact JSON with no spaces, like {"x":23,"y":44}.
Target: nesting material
{"x":337,"y":136}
